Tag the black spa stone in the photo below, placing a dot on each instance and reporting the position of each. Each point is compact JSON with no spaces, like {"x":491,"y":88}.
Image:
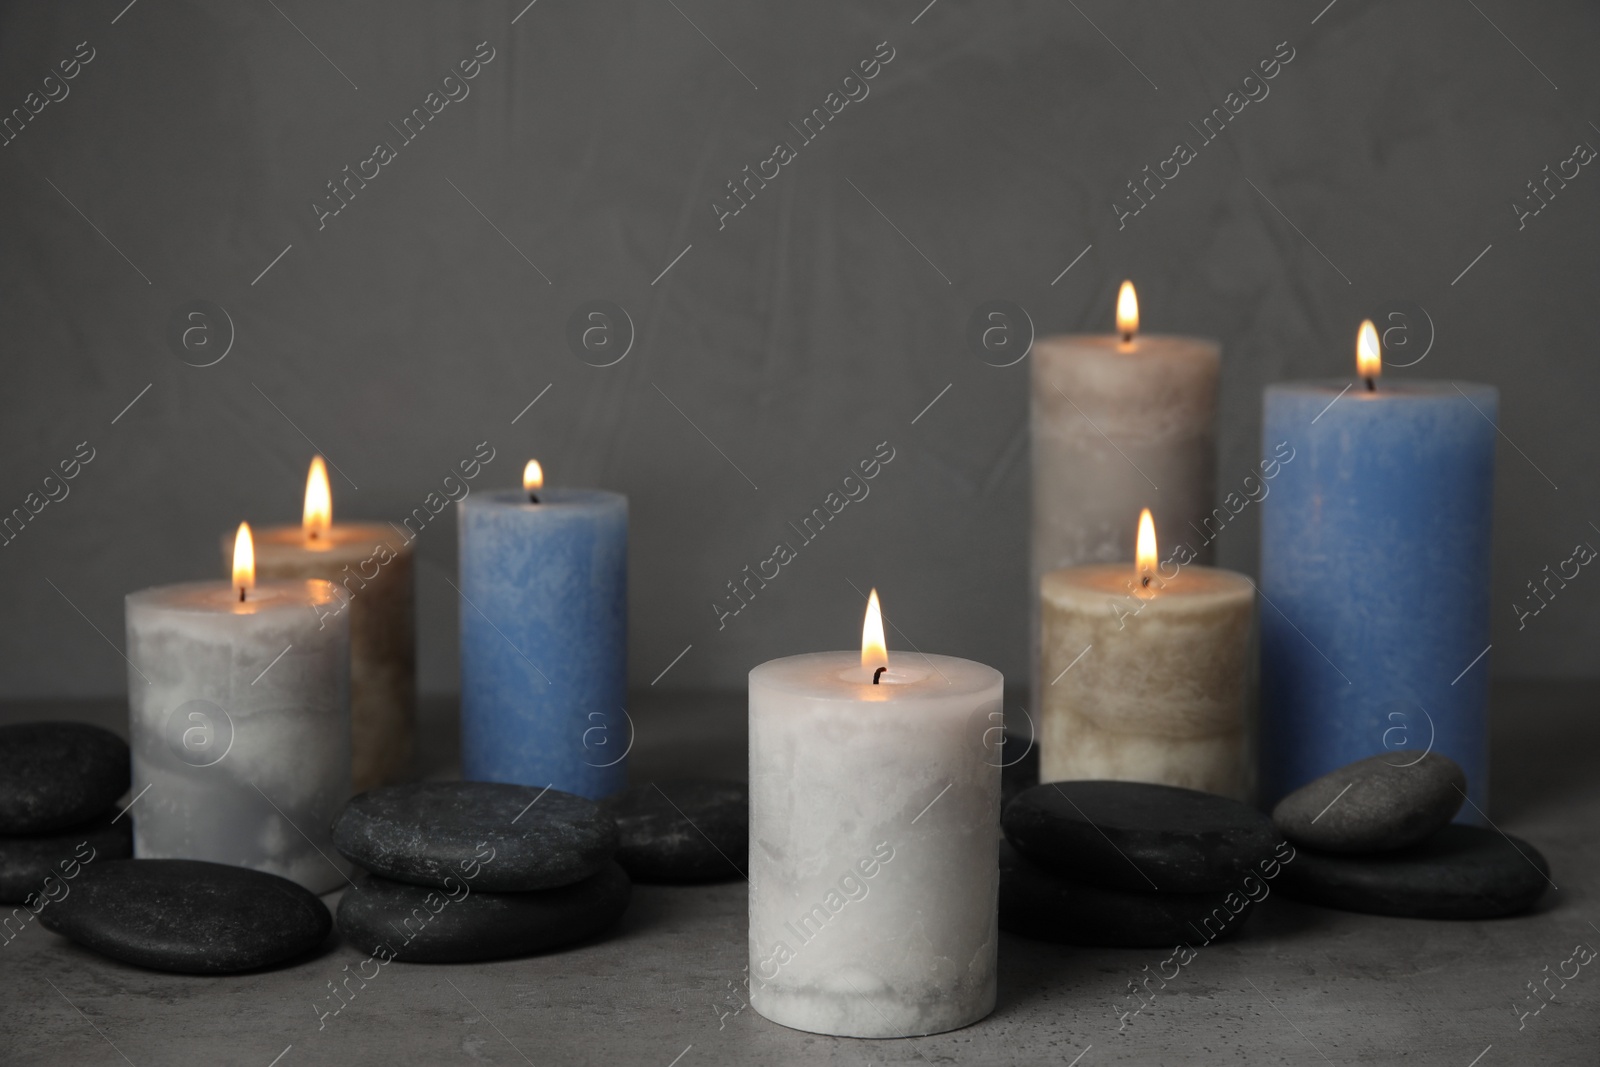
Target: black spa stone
{"x":1043,"y":906}
{"x":687,"y":831}
{"x":58,"y":774}
{"x":187,"y":916}
{"x":417,"y":924}
{"x":1461,"y":872}
{"x":1388,"y":801}
{"x":1139,"y":837}
{"x":505,"y":838}
{"x":26,"y":862}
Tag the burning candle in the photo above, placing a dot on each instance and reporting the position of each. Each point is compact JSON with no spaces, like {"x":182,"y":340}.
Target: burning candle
{"x":370,"y":563}
{"x":1119,"y":420}
{"x":239,"y":709}
{"x":874,"y":814}
{"x":1146,"y":672}
{"x":1375,"y":574}
{"x":544,"y":630}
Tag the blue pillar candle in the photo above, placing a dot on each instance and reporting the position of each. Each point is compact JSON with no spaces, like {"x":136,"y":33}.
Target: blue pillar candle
{"x":544,"y":629}
{"x":1375,"y":577}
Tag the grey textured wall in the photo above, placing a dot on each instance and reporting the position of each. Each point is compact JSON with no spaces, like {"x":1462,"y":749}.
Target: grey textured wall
{"x":781,"y":348}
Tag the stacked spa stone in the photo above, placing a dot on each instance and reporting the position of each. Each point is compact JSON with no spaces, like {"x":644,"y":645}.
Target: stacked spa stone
{"x":59,"y":784}
{"x":1131,"y":864}
{"x":467,"y":871}
{"x":1375,"y":836}
{"x":64,"y":856}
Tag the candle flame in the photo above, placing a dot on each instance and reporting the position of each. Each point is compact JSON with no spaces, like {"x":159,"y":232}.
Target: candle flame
{"x":318,"y":513}
{"x":1369,"y":354}
{"x":874,"y":652}
{"x":244,"y":560}
{"x":1127,"y":313}
{"x":1145,"y":551}
{"x":532,"y":476}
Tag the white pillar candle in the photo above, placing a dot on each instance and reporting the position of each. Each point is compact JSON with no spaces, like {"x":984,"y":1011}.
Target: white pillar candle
{"x":874,"y":814}
{"x":1119,"y":422}
{"x":240,"y":722}
{"x":1147,"y":682}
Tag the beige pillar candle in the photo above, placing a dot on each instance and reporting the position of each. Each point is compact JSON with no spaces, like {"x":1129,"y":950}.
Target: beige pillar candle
{"x":370,"y":567}
{"x":1147,"y":682}
{"x":1119,"y":422}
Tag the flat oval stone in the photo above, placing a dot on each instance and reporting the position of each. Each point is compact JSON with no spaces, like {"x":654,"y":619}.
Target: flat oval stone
{"x":1037,"y":904}
{"x":689,"y":831}
{"x":505,"y":838}
{"x":58,"y":774}
{"x":25,"y":862}
{"x":1139,"y":837}
{"x":415,"y":924}
{"x":1383,"y":802}
{"x":1461,"y":872}
{"x":188,"y":916}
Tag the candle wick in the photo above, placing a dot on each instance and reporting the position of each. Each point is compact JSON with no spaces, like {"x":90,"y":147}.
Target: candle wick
{"x":241,"y":594}
{"x":1145,"y":581}
{"x":533,"y":498}
{"x":1127,"y":338}
{"x":1372,"y":386}
{"x":877,"y":674}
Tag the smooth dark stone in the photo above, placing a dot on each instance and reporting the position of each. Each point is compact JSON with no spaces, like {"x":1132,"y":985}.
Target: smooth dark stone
{"x":505,"y":838}
{"x":58,"y":774}
{"x":1384,"y":802}
{"x":415,"y":924}
{"x":1037,"y":904}
{"x":1019,"y":767}
{"x":187,"y":916}
{"x":1140,"y":837}
{"x":683,"y":831}
{"x":25,"y":862}
{"x":1461,"y":872}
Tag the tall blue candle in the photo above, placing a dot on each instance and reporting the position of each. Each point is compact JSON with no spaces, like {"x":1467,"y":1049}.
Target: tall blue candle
{"x":1375,"y":577}
{"x":544,"y":629}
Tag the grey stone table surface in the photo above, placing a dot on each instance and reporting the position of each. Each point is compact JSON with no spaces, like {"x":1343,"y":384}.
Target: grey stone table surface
{"x":1300,"y":985}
